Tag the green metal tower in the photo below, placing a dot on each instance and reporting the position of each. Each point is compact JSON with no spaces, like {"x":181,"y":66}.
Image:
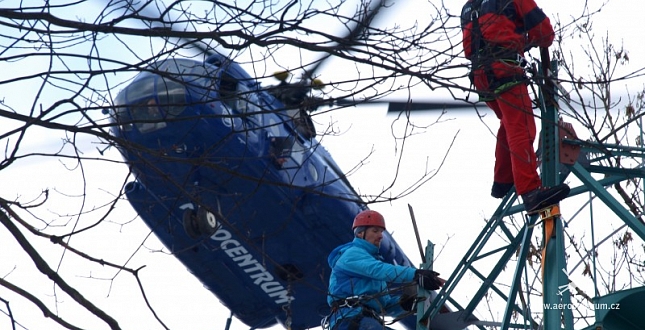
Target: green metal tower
{"x":562,"y":154}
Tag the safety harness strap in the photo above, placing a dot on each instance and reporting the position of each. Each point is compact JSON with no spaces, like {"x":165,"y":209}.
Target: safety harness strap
{"x":475,"y":33}
{"x":483,"y":54}
{"x":356,"y":302}
{"x":353,"y":301}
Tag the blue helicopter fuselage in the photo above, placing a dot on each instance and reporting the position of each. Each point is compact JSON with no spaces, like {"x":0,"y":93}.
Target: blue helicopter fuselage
{"x":227,"y":183}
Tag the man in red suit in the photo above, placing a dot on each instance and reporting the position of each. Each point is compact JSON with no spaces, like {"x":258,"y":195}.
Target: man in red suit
{"x":495,"y":35}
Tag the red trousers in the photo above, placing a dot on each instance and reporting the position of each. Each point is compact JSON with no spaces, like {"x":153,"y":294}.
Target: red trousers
{"x":515,"y":160}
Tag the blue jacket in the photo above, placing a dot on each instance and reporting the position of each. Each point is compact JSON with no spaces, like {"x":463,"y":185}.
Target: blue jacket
{"x":357,"y":269}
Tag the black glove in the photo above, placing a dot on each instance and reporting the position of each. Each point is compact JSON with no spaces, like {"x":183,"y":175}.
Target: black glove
{"x":427,"y":279}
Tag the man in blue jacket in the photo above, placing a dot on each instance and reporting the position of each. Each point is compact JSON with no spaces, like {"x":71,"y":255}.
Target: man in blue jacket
{"x":358,"y":293}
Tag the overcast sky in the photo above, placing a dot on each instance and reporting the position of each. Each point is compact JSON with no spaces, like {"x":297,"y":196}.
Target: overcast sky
{"x":450,"y":209}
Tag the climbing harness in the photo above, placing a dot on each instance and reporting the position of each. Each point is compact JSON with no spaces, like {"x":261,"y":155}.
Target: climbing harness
{"x":484,"y":54}
{"x":352,"y":302}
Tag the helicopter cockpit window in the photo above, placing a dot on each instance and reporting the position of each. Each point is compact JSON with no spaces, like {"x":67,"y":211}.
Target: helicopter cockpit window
{"x":147,"y":116}
{"x":227,"y":90}
{"x":121,"y":112}
{"x":237,"y":95}
{"x":247,"y":100}
{"x":149,"y":102}
{"x":192,"y":73}
{"x":172,"y":97}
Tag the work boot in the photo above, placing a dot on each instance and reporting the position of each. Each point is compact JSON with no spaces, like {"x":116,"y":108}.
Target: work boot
{"x":542,"y":197}
{"x":500,"y":190}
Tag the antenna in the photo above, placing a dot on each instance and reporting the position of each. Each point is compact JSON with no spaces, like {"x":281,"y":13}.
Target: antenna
{"x":416,"y":233}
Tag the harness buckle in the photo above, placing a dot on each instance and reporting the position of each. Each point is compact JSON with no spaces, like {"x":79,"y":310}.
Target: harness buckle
{"x":350,"y":302}
{"x":474,"y":15}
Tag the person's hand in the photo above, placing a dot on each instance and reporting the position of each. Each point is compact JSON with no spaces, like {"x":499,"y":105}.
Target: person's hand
{"x":429,"y":279}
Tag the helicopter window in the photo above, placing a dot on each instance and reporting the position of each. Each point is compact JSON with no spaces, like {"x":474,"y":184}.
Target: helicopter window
{"x":175,"y":66}
{"x":182,"y":74}
{"x":247,"y":101}
{"x":188,"y":70}
{"x":121,"y":112}
{"x":172,"y":97}
{"x":140,"y":88}
{"x":298,"y":153}
{"x":288,"y":152}
{"x":227,"y":89}
{"x":150,"y":100}
{"x":147,"y":116}
{"x":237,"y":95}
{"x":192,"y":73}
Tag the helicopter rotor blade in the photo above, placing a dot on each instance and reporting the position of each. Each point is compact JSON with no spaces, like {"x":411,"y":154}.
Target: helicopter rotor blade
{"x":151,"y":15}
{"x":402,"y":106}
{"x":361,"y":26}
{"x":395,"y":106}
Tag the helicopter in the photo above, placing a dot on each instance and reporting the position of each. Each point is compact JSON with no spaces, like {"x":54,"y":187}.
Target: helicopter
{"x":231,"y":179}
{"x":230,"y":182}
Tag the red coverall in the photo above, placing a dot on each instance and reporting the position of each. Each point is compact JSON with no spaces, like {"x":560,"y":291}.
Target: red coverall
{"x":513,"y":26}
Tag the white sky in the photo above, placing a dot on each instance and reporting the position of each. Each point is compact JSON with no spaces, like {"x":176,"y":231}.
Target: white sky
{"x":450,"y":209}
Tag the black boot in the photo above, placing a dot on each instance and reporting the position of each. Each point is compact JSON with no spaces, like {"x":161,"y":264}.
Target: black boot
{"x":500,"y":190}
{"x":542,"y":197}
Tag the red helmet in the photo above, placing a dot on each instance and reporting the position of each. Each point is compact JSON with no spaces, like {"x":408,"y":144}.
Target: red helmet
{"x":369,"y":218}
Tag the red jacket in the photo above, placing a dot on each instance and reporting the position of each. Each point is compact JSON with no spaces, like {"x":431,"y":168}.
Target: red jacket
{"x":510,"y":24}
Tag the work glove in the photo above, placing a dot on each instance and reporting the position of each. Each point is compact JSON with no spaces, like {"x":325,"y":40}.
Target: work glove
{"x":428,"y":279}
